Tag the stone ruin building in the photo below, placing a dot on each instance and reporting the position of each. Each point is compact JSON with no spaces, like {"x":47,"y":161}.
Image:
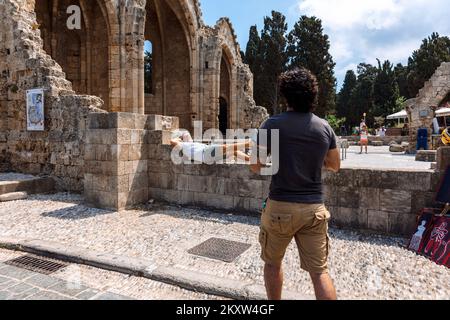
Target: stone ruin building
{"x":421,"y":110}
{"x":198,"y":75}
{"x":107,"y":137}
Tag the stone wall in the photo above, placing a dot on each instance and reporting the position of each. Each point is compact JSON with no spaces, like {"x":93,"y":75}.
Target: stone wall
{"x":375,"y":200}
{"x":128,"y":161}
{"x":24,"y":65}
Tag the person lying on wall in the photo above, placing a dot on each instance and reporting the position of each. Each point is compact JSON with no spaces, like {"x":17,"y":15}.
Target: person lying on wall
{"x":204,"y":153}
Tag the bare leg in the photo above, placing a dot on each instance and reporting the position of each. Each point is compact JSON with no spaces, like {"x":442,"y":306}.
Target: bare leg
{"x":273,"y":277}
{"x":323,"y":286}
{"x":235,"y":149}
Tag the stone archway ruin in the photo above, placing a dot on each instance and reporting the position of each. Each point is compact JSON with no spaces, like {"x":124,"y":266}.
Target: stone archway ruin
{"x":82,"y":54}
{"x":171,"y":63}
{"x":421,"y":110}
{"x":105,"y":59}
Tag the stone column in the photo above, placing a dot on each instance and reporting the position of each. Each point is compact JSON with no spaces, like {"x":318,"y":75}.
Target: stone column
{"x":116,"y":157}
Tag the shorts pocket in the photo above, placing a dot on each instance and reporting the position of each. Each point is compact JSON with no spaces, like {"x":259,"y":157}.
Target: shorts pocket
{"x":322,"y":214}
{"x":281,"y":223}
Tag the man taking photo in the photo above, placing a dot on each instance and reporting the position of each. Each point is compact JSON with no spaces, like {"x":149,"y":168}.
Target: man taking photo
{"x":295,"y":208}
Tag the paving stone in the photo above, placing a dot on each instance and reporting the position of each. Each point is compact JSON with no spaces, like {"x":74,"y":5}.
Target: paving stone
{"x":4,"y":279}
{"x":20,"y":288}
{"x":24,"y":295}
{"x":112,"y":296}
{"x":47,"y":295}
{"x":87,"y":294}
{"x":68,"y":288}
{"x":8,"y":284}
{"x":16,"y":273}
{"x":4,"y":295}
{"x":43,"y":281}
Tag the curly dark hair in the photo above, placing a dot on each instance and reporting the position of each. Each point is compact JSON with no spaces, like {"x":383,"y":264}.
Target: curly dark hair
{"x":300,"y":89}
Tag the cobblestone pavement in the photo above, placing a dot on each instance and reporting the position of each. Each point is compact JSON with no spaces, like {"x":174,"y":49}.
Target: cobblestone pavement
{"x":381,"y":158}
{"x":77,"y":282}
{"x":363,"y":266}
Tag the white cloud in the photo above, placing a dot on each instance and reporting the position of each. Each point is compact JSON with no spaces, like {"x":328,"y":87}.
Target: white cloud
{"x":363,"y":30}
{"x":374,"y":14}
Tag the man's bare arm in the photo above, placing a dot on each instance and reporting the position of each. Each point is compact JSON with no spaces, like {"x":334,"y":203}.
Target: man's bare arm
{"x":333,"y":160}
{"x":256,"y":167}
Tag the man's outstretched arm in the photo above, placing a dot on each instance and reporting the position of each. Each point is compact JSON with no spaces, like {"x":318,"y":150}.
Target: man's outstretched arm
{"x":333,"y":160}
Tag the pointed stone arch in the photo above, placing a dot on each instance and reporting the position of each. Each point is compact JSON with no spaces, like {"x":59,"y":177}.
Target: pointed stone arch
{"x":84,"y":55}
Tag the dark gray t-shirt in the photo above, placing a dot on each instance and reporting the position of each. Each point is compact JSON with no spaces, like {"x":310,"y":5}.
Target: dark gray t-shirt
{"x":305,"y":140}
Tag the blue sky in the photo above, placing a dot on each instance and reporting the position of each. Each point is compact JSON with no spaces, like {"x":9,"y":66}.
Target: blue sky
{"x":359,"y":30}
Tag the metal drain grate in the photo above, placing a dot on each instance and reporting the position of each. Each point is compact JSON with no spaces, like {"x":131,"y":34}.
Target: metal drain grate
{"x":220,"y":249}
{"x":37,"y":264}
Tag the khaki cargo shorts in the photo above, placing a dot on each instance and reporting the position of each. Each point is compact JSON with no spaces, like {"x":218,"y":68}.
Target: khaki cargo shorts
{"x":307,"y":223}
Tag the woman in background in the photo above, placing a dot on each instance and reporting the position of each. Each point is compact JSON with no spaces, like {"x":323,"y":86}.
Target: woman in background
{"x":364,"y":139}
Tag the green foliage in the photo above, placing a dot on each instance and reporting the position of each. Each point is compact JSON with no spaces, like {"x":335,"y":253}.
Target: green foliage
{"x":399,"y":104}
{"x":309,"y":47}
{"x":273,"y":51}
{"x":424,"y":61}
{"x":361,"y":100}
{"x":385,"y":90}
{"x":335,"y":122}
{"x":148,"y":72}
{"x":343,"y":107}
{"x":266,"y":56}
{"x":401,"y":76}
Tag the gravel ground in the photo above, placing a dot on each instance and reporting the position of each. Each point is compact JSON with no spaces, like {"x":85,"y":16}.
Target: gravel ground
{"x":363,"y":266}
{"x":124,"y":285}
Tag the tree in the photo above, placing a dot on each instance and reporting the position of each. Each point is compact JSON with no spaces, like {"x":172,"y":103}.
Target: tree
{"x":309,"y":47}
{"x":424,"y":61}
{"x":385,"y":90}
{"x":148,"y":72}
{"x":335,"y":122}
{"x":253,"y":48}
{"x":361,"y":100}
{"x":344,"y":96}
{"x":401,"y":75}
{"x":274,"y":59}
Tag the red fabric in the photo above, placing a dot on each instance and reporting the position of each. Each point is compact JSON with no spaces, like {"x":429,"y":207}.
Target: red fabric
{"x":432,"y":237}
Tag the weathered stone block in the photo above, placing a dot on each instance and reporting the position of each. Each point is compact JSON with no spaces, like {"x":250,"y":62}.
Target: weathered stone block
{"x":348,"y":197}
{"x":343,"y":178}
{"x":378,"y":221}
{"x":160,"y":166}
{"x":140,"y":181}
{"x":159,"y":137}
{"x":123,"y":136}
{"x":135,"y":152}
{"x":414,"y":181}
{"x":349,"y":217}
{"x":198,"y":184}
{"x":402,"y":224}
{"x":395,"y":201}
{"x":330,"y":194}
{"x":214,"y":201}
{"x":243,"y":188}
{"x":370,"y":198}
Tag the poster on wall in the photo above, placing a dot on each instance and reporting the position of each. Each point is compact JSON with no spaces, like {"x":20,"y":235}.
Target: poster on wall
{"x":35,"y":110}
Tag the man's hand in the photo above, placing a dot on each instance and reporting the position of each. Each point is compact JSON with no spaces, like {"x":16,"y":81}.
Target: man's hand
{"x":333,"y":161}
{"x":256,"y":168}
